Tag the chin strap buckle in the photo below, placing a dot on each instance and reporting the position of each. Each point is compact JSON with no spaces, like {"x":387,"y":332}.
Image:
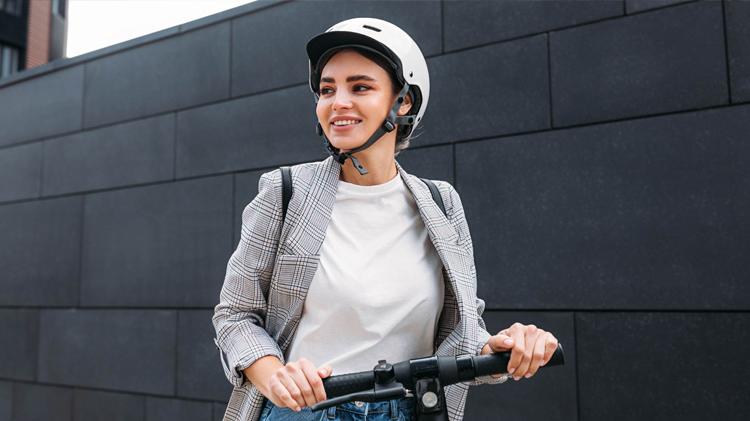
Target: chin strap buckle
{"x":362,"y":170}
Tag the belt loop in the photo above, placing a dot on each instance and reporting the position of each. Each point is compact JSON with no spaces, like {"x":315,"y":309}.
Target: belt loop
{"x":331,"y":412}
{"x":394,"y":409}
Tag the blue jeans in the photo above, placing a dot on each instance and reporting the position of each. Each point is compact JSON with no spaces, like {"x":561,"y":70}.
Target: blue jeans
{"x":393,"y":410}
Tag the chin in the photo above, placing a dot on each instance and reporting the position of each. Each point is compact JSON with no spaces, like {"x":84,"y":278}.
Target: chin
{"x":344,"y":146}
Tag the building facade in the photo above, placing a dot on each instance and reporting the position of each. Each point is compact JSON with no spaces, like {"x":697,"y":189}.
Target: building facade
{"x":600,"y":149}
{"x":32,"y":32}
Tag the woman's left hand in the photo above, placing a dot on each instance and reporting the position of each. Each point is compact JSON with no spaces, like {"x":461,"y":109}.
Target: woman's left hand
{"x":531,"y":347}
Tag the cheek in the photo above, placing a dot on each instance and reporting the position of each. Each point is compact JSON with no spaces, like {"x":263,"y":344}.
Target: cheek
{"x":319,"y":109}
{"x":322,"y":114}
{"x":377,"y":109}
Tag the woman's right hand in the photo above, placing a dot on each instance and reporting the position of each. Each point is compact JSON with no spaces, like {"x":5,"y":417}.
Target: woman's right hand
{"x":297,"y":384}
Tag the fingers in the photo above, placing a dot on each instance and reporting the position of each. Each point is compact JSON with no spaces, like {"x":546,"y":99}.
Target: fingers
{"x":280,"y":394}
{"x":500,"y":342}
{"x":532,"y":348}
{"x":302,"y":381}
{"x":325,"y":371}
{"x":516,"y":356}
{"x":537,"y":356}
{"x":313,"y":379}
{"x":291,"y":387}
{"x":526,"y":353}
{"x":298,"y":385}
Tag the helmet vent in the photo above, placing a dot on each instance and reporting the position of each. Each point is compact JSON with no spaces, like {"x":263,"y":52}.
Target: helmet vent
{"x":371,"y":27}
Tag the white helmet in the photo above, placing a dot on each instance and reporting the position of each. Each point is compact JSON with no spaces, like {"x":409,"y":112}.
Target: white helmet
{"x":398,"y":48}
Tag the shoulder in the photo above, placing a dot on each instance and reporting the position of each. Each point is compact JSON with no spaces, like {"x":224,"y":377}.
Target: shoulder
{"x":270,"y":184}
{"x":448,"y":193}
{"x":301,"y":173}
{"x":307,"y":169}
{"x":455,"y":212}
{"x":446,"y":188}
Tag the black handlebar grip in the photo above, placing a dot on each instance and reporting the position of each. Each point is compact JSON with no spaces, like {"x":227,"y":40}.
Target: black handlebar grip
{"x":558,"y":357}
{"x":344,"y":384}
{"x":497,"y":363}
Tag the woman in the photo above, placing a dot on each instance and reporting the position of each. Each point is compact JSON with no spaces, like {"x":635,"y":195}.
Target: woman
{"x":365,"y":266}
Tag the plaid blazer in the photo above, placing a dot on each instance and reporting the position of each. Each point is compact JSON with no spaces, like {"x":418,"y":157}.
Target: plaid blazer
{"x":269,"y":273}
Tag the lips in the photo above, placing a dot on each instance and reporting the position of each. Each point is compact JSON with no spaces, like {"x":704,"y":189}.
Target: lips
{"x":344,"y":128}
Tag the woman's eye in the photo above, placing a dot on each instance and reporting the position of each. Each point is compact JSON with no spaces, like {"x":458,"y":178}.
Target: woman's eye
{"x":324,"y":91}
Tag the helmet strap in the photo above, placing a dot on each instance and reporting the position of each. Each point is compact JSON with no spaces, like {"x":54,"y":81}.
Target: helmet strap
{"x":390,"y":122}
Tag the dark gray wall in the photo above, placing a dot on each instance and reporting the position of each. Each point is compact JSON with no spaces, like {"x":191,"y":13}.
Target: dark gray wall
{"x":601,"y":150}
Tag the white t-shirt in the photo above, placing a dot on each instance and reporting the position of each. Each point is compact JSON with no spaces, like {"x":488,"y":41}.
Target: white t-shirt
{"x":378,"y":291}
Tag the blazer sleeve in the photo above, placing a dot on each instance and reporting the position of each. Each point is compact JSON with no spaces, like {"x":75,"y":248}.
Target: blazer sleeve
{"x":239,"y":318}
{"x":458,"y":217}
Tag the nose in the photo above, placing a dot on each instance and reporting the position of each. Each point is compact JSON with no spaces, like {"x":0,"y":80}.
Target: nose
{"x":341,"y":100}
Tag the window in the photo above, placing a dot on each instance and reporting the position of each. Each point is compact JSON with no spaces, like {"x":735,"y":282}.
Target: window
{"x":58,"y":8}
{"x":14,"y":7}
{"x":8,"y":60}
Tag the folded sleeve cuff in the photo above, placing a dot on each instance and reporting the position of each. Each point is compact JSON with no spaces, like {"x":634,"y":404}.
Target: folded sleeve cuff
{"x":240,"y":355}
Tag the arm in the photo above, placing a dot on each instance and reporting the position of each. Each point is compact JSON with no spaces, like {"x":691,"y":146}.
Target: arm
{"x":239,"y":318}
{"x":458,"y":218}
{"x":261,"y":370}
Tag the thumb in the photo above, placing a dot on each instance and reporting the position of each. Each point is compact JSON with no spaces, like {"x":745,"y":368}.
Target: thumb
{"x":501,"y":342}
{"x":325,"y":371}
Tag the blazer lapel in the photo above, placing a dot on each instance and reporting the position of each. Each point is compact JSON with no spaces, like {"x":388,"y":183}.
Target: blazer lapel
{"x":442,"y":233}
{"x":440,"y":229}
{"x":308,"y":221}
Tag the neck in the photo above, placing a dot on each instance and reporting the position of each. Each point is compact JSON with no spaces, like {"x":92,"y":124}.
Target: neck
{"x":380,"y":164}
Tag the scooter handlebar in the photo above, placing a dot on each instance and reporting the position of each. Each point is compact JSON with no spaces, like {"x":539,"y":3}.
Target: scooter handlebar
{"x":344,"y":384}
{"x":497,"y":363}
{"x":452,"y":370}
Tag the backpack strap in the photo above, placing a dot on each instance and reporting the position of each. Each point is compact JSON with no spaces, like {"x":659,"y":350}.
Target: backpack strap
{"x":435,"y":195}
{"x":286,"y":189}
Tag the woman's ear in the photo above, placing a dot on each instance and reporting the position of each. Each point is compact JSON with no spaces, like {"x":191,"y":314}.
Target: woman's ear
{"x":406,"y":105}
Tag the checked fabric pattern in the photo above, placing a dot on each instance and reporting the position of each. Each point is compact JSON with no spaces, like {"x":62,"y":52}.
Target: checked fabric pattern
{"x":269,"y":273}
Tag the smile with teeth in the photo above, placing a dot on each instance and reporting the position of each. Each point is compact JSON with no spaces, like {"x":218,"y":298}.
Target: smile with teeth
{"x":346,"y":122}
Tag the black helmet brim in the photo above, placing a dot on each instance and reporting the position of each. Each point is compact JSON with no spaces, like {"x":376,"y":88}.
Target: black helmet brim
{"x":320,"y":46}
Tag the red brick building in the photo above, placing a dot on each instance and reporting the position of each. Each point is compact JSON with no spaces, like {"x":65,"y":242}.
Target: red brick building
{"x":32,"y":32}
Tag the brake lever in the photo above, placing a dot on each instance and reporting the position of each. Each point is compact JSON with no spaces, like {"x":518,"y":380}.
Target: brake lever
{"x":395,"y":391}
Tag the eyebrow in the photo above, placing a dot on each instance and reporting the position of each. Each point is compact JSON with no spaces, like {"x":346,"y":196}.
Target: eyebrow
{"x":353,"y":78}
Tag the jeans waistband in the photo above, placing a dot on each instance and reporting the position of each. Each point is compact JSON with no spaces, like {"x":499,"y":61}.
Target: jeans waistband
{"x":392,"y":407}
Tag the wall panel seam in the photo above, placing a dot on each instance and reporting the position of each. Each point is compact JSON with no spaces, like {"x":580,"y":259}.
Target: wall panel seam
{"x":726,"y":50}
